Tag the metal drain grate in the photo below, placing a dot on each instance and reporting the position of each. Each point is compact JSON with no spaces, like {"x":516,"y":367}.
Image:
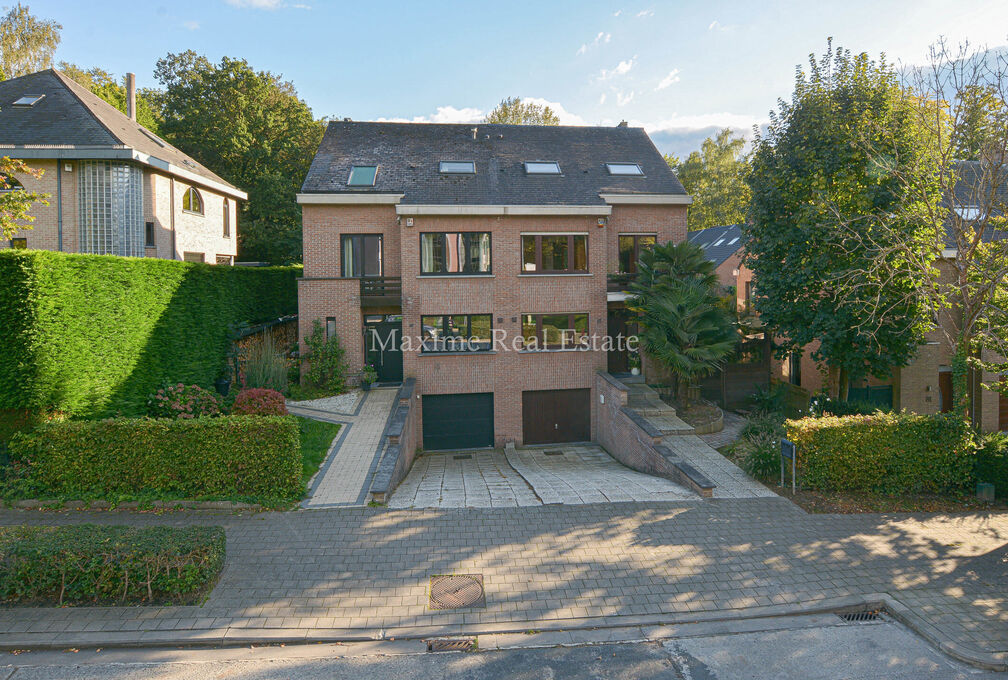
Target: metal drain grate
{"x":862,"y":616}
{"x":554,"y":452}
{"x":451,"y":644}
{"x":457,"y":591}
{"x":463,"y":456}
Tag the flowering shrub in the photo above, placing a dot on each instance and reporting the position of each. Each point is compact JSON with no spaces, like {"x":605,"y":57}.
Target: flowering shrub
{"x":183,"y":401}
{"x":259,"y":402}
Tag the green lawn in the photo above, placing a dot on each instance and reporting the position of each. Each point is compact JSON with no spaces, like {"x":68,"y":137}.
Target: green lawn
{"x":316,"y":437}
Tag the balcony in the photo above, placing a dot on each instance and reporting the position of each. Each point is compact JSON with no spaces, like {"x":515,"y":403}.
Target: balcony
{"x":381,"y":291}
{"x":619,"y":283}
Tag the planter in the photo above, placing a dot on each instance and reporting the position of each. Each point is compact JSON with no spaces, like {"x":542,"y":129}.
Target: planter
{"x":635,"y":371}
{"x":223,"y":386}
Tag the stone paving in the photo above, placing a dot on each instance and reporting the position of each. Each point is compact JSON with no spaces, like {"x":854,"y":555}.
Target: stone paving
{"x":345,"y":474}
{"x":730,"y":480}
{"x":328,"y":573}
{"x":733,"y":424}
{"x":574,"y":474}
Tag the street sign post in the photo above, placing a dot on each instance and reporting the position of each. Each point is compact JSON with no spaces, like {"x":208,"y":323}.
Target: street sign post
{"x":790,"y":451}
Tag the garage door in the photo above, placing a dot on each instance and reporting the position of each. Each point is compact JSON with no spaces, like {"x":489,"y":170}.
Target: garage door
{"x":457,"y":421}
{"x":551,"y":416}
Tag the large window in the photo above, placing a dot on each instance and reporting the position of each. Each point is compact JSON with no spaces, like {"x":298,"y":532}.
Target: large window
{"x":466,"y":252}
{"x":192,"y":202}
{"x":110,"y":208}
{"x":457,"y":333}
{"x":554,"y":331}
{"x":554,"y":253}
{"x":630,"y":246}
{"x":362,"y":254}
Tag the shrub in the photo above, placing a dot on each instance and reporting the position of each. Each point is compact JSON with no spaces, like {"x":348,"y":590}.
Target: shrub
{"x":264,"y":366}
{"x":325,"y":360}
{"x":823,"y":405}
{"x":992,"y":462}
{"x":259,"y":402}
{"x":762,"y":461}
{"x":763,"y":425}
{"x":88,"y":564}
{"x":245,"y":456}
{"x":885,"y":452}
{"x":770,"y":399}
{"x":183,"y":401}
{"x":94,"y":335}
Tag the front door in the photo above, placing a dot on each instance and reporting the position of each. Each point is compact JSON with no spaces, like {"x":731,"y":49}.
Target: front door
{"x":945,"y":390}
{"x":382,"y":335}
{"x":553,"y":416}
{"x":621,"y":322}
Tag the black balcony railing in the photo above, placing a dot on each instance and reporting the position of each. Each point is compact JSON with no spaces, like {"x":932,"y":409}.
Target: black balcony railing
{"x":617,"y":283}
{"x":380,"y":291}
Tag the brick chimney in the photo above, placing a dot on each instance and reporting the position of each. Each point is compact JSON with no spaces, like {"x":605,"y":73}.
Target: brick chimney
{"x":131,"y":95}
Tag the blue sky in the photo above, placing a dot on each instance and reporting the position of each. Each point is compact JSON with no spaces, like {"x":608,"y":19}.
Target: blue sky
{"x":679,"y":69}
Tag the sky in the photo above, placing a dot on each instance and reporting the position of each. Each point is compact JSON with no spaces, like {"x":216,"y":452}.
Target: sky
{"x":679,"y":69}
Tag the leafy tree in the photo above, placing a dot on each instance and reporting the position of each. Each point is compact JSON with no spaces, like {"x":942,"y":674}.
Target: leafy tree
{"x":15,"y":202}
{"x":715,"y":177}
{"x":27,"y":43}
{"x":979,"y":115}
{"x":819,"y":196}
{"x":251,"y":128}
{"x":684,"y":323}
{"x":112,"y":90}
{"x":513,"y":111}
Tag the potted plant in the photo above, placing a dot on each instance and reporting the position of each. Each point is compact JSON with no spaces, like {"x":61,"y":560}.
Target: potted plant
{"x":634,"y":361}
{"x":368,"y":377}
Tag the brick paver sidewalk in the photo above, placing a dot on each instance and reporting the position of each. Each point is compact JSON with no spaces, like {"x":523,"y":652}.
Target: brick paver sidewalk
{"x":316,"y":574}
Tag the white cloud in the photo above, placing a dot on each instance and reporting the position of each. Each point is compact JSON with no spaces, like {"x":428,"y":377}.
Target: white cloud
{"x":617,"y":12}
{"x":444,"y":114}
{"x":735,"y":121}
{"x":190,"y":25}
{"x":719,"y":27}
{"x":601,"y":38}
{"x":264,"y":4}
{"x":565,"y":116}
{"x":622,"y":99}
{"x":714,"y":24}
{"x":601,"y":99}
{"x":672,"y":77}
{"x":621,"y":69}
{"x":644,"y":13}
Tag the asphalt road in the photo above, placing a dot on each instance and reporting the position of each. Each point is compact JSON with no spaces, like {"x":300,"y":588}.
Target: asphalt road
{"x":876,"y":651}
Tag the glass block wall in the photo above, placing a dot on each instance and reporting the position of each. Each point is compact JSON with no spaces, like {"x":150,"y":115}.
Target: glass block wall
{"x":111,"y":208}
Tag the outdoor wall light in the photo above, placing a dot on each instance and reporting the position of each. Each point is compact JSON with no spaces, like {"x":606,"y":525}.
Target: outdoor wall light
{"x":602,"y":221}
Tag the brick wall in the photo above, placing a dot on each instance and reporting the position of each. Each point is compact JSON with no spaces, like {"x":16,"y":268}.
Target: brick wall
{"x":44,"y":234}
{"x":194,"y":232}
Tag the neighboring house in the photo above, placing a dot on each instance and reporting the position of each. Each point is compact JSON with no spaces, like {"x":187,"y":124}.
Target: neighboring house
{"x":485,"y":231}
{"x":115,"y":187}
{"x":723,"y":247}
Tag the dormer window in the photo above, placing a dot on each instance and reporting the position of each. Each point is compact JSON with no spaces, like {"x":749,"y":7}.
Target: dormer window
{"x":29,"y":100}
{"x":362,"y":176}
{"x":624,"y":169}
{"x":457,"y":168}
{"x":542,"y":168}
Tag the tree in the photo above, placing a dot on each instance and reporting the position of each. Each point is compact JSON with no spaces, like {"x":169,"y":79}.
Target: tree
{"x":113,"y":90}
{"x":251,"y":128}
{"x":818,"y":195}
{"x":15,"y":202}
{"x":27,"y":43}
{"x":684,"y":322}
{"x":513,"y":111}
{"x":715,"y":177}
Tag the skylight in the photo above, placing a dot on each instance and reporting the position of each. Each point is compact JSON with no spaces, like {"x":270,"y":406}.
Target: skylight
{"x":624,"y":169}
{"x":362,"y":175}
{"x":542,"y":168}
{"x":719,"y":241}
{"x":29,"y":100}
{"x":457,"y":167}
{"x":733,"y":241}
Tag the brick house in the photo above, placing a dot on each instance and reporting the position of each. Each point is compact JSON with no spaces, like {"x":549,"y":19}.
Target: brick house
{"x":115,"y":188}
{"x":723,"y":247}
{"x":427,"y":232}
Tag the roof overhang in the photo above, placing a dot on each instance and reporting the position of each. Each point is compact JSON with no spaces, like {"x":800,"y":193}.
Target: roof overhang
{"x":558,"y":210}
{"x":647,"y":199}
{"x":123,"y":153}
{"x":348,"y":199}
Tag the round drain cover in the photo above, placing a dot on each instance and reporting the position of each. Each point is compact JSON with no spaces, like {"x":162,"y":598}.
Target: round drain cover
{"x":456,"y":591}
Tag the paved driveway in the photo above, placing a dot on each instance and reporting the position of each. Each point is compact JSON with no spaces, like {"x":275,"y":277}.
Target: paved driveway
{"x":568,"y":474}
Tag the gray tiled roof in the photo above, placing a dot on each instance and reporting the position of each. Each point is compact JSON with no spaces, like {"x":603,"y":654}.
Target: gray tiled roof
{"x":718,"y":243}
{"x":969,"y":190}
{"x":408,"y":154}
{"x":71,"y":115}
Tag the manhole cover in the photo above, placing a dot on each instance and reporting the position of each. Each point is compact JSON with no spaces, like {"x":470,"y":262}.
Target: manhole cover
{"x":863,"y":616}
{"x":451,"y":644}
{"x":457,"y":591}
{"x":463,"y":456}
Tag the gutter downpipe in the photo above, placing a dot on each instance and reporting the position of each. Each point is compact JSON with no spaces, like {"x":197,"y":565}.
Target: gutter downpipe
{"x":171,"y":212}
{"x":59,"y":205}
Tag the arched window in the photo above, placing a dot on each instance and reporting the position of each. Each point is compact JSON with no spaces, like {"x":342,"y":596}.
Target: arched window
{"x":8,"y":183}
{"x":227,"y":219}
{"x":192,"y":201}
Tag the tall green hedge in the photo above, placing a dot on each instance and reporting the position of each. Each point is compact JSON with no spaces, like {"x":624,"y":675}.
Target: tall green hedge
{"x":92,"y":335}
{"x":232,"y":456}
{"x":885,"y":452}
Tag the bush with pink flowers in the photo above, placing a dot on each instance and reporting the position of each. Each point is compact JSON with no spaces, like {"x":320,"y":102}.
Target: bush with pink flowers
{"x":184,"y":401}
{"x":259,"y":402}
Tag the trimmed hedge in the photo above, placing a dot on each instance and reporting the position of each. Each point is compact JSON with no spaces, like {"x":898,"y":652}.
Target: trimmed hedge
{"x":88,"y":564}
{"x":992,"y":462}
{"x":232,"y":456}
{"x":886,"y":452}
{"x":92,"y":335}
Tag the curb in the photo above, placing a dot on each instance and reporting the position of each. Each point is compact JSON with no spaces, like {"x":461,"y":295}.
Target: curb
{"x":542,"y":632}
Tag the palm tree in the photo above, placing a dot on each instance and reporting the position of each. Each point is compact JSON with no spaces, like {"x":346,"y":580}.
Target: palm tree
{"x":684,"y":324}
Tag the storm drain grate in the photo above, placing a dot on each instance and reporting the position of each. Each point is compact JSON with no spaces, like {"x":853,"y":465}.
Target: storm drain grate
{"x":451,"y":644}
{"x":554,"y":452}
{"x":463,"y":456}
{"x":457,"y":591}
{"x":862,"y":616}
